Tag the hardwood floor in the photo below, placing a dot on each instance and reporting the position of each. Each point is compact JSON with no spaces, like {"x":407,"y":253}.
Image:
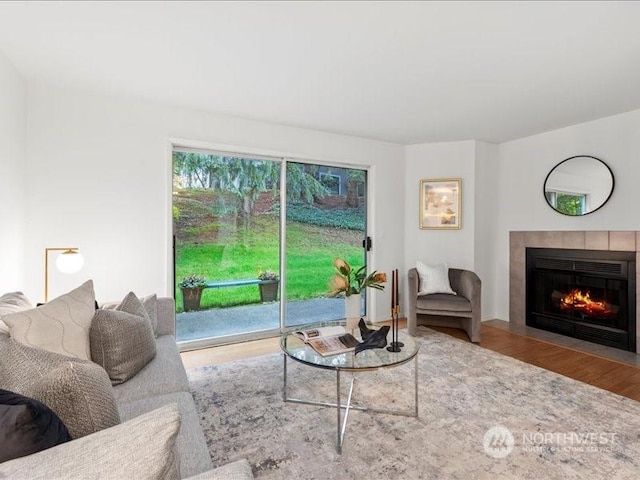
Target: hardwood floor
{"x":228,"y":353}
{"x":601,"y":372}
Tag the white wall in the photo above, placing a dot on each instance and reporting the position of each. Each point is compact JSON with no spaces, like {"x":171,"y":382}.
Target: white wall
{"x":524,"y":164}
{"x":98,"y":178}
{"x":439,"y":160}
{"x":99,"y":173}
{"x":486,"y":221}
{"x":471,"y":247}
{"x":12,"y":179}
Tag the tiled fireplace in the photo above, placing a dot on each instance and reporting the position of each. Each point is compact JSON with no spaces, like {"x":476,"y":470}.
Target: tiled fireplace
{"x":582,"y":252}
{"x":585,"y":294}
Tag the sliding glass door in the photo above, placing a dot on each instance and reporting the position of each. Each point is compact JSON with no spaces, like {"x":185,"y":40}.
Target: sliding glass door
{"x":325,"y":219}
{"x":227,"y":244}
{"x":238,"y":251}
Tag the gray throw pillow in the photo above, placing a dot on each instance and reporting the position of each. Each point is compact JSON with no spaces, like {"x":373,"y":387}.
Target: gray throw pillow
{"x":150,"y":304}
{"x":122,"y":340}
{"x":142,"y":448}
{"x":79,"y":392}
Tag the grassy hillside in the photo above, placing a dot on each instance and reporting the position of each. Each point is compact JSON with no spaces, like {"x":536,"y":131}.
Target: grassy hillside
{"x":211,"y":243}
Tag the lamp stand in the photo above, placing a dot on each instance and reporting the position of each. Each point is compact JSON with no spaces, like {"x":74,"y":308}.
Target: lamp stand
{"x":46,"y":266}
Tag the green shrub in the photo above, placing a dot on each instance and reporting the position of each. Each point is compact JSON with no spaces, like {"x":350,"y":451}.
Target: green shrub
{"x":346,"y":218}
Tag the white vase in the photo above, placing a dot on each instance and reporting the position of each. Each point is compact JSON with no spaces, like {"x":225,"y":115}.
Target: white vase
{"x":353,"y":309}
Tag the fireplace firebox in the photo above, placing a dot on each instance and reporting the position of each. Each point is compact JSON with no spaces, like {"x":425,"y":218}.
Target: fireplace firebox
{"x":586,"y":294}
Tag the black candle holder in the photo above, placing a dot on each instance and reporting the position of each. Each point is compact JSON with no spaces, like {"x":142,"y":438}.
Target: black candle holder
{"x":395,"y":345}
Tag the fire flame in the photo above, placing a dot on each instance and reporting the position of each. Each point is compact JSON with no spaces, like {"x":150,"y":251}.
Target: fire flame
{"x":576,"y":300}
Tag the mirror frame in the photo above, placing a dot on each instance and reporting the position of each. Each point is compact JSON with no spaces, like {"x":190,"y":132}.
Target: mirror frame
{"x":544,"y":185}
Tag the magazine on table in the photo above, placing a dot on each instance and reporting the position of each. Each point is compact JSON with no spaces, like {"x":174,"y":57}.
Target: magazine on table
{"x":328,"y":340}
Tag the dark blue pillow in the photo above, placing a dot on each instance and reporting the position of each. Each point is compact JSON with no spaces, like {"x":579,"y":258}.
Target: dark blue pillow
{"x":27,"y":426}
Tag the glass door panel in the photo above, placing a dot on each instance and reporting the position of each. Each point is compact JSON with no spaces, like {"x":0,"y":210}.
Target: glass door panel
{"x":325,"y":218}
{"x":227,"y":244}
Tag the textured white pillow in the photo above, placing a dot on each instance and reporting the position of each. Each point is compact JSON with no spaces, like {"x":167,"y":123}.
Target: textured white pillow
{"x":14,"y":302}
{"x":434,"y":279}
{"x":79,"y":392}
{"x":10,"y":303}
{"x":60,"y":326}
{"x":142,"y":448}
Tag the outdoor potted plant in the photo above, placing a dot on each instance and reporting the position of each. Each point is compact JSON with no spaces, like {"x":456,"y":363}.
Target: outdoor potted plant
{"x":191,"y":288}
{"x":269,"y":283}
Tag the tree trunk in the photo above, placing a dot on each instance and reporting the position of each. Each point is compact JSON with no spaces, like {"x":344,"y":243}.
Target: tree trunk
{"x":352,"y":194}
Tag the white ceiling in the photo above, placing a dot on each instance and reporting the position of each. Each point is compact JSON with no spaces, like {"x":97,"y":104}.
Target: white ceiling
{"x":406,"y":72}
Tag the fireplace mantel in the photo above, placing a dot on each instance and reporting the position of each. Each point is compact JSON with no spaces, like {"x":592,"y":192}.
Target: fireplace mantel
{"x":623,"y":241}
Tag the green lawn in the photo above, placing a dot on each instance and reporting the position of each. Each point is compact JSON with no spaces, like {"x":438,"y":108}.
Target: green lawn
{"x":237,"y":256}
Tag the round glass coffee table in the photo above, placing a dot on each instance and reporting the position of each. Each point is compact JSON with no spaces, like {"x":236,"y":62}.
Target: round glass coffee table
{"x":294,"y":348}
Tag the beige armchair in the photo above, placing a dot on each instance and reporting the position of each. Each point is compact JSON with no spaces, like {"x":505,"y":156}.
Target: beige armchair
{"x":440,"y":309}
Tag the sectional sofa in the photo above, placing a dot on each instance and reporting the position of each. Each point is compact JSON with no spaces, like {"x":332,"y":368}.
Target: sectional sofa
{"x":157,"y":397}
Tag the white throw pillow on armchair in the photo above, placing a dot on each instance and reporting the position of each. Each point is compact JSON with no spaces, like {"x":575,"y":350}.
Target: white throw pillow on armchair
{"x":433,"y":279}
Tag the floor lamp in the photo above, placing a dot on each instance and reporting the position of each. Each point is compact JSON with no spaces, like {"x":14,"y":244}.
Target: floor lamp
{"x":69,"y":261}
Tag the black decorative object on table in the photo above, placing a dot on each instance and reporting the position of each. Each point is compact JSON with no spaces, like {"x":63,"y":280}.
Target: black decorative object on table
{"x":374,"y":339}
{"x":364,"y":330}
{"x":395,"y":345}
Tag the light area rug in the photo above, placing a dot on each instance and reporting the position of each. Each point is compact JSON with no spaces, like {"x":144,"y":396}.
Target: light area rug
{"x":482,"y":415}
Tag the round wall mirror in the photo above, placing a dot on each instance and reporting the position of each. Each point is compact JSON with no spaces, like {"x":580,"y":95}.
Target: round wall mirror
{"x":578,"y":185}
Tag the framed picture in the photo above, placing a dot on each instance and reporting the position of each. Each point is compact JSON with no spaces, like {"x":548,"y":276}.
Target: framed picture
{"x":440,"y":203}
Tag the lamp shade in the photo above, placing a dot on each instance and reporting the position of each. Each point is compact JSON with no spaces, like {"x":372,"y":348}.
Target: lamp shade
{"x":70,"y":261}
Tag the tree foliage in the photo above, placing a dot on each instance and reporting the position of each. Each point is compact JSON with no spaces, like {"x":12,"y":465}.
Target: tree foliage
{"x":302,"y":183}
{"x":245,"y":178}
{"x":570,"y":204}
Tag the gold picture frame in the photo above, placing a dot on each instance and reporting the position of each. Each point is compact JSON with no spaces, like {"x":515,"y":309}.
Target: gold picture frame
{"x":440,"y":204}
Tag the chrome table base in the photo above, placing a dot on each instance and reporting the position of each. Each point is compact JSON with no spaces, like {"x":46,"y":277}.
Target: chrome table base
{"x":342,"y":422}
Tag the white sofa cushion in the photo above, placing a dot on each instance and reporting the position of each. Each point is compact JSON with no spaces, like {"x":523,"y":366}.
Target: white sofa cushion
{"x":164,"y":374}
{"x":191,"y":446}
{"x":238,"y":470}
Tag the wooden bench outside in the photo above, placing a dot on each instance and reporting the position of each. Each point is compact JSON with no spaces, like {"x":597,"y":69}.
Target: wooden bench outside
{"x":237,"y":283}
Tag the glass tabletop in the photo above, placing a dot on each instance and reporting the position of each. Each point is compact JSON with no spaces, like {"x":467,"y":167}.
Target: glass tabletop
{"x":371,"y":359}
